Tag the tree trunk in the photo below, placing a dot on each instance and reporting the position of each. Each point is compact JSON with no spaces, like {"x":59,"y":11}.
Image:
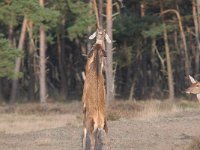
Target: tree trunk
{"x":187,"y":63}
{"x":89,"y":30}
{"x":31,"y":89}
{"x":18,"y":62}
{"x":168,"y":58}
{"x":198,"y":13}
{"x":142,"y":9}
{"x":195,"y":18}
{"x":42,"y":76}
{"x":10,"y":35}
{"x":61,"y":55}
{"x":109,"y":65}
{"x":1,"y":94}
{"x":101,"y":12}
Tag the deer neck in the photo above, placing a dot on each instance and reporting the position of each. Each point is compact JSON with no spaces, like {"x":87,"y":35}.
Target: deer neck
{"x":98,"y":41}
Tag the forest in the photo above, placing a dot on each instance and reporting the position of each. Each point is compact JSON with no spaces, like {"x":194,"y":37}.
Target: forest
{"x":44,"y":44}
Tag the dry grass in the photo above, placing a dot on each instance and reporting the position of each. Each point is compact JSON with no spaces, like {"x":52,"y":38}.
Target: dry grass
{"x":44,"y":142}
{"x":195,"y":145}
{"x":29,"y":117}
{"x":36,"y":108}
{"x":188,"y":105}
{"x":140,"y":110}
{"x":32,"y":117}
{"x":147,"y":109}
{"x":17,"y":123}
{"x":155,"y":108}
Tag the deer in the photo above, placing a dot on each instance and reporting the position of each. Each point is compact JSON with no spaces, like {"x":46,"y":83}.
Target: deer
{"x":94,"y":95}
{"x":194,"y":88}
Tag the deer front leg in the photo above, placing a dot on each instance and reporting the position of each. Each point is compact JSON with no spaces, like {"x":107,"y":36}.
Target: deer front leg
{"x":84,"y":138}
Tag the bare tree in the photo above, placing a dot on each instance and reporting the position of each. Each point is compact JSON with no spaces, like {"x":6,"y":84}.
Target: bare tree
{"x":196,"y":27}
{"x":101,"y":12}
{"x":168,"y":57}
{"x":187,"y":63}
{"x":31,"y":62}
{"x":109,"y":64}
{"x":10,"y":35}
{"x":42,"y":76}
{"x":61,"y":61}
{"x":18,"y":62}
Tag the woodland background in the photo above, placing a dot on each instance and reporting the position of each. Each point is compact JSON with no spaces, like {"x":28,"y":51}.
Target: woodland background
{"x":43,"y":48}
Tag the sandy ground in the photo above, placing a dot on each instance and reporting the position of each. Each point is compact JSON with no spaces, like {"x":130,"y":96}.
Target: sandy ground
{"x":169,"y":132}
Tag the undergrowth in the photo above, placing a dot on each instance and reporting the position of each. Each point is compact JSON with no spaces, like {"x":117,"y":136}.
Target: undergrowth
{"x":116,"y":110}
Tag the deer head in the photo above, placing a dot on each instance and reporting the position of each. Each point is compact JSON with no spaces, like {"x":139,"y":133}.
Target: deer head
{"x":100,"y":34}
{"x":194,"y":87}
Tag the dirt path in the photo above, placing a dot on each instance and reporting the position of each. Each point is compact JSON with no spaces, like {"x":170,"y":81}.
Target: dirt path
{"x":172,"y":132}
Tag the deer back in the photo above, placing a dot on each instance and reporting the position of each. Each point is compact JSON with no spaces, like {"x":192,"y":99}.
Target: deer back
{"x":94,"y":88}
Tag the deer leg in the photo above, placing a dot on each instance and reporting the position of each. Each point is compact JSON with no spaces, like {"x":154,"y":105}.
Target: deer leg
{"x":105,"y":126}
{"x":85,"y":129}
{"x":92,"y":140}
{"x":84,"y":138}
{"x":90,"y":127}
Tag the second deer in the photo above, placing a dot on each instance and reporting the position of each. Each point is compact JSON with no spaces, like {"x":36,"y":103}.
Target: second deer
{"x":194,"y":88}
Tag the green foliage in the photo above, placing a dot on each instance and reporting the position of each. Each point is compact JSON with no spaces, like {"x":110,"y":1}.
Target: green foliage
{"x":82,"y":18}
{"x":124,"y":56}
{"x":156,"y":30}
{"x":7,"y":57}
{"x":127,"y":26}
{"x":10,"y":13}
{"x":130,"y":26}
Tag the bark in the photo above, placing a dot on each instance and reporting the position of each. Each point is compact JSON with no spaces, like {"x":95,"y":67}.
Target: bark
{"x":61,"y":55}
{"x":198,"y":13}
{"x":168,"y":57}
{"x":187,"y":63}
{"x":18,"y":62}
{"x":101,"y":12}
{"x":31,"y":63}
{"x":109,"y":65}
{"x":131,"y":94}
{"x":1,"y":94}
{"x":89,"y":30}
{"x":10,"y":35}
{"x":176,"y":42}
{"x":155,"y":48}
{"x":96,"y":13}
{"x":42,"y":76}
{"x":142,"y":9}
{"x":195,"y":18}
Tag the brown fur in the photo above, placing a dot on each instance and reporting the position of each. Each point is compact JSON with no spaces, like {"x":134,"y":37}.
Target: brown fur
{"x":194,"y":88}
{"x":94,"y":95}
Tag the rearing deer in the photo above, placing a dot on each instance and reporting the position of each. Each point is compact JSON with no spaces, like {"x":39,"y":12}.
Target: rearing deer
{"x":94,"y":96}
{"x":194,"y":88}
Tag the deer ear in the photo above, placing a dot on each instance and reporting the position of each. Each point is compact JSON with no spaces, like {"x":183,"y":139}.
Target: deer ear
{"x":107,"y":38}
{"x":192,"y":79}
{"x":92,"y":36}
